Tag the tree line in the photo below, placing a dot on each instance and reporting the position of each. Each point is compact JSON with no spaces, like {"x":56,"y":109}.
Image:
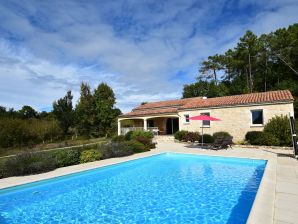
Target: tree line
{"x":94,"y":115}
{"x":256,"y":64}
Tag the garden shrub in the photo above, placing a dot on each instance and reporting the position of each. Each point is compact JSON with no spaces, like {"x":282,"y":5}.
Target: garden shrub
{"x":90,"y":155}
{"x":192,"y":137}
{"x":207,"y":138}
{"x":2,"y":170}
{"x":29,"y":163}
{"x":2,"y":173}
{"x":279,"y":126}
{"x":251,"y":136}
{"x":116,"y":149}
{"x":67,"y":157}
{"x":267,"y":139}
{"x":180,"y":135}
{"x":221,"y":134}
{"x":261,"y":138}
{"x":146,"y":134}
{"x":118,"y":138}
{"x":145,"y":141}
{"x":127,"y":136}
{"x":137,"y":146}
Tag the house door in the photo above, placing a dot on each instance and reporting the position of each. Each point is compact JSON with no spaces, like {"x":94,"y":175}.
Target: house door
{"x":172,"y":125}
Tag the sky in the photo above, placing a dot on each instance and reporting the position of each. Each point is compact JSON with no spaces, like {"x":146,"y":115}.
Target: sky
{"x":145,"y":50}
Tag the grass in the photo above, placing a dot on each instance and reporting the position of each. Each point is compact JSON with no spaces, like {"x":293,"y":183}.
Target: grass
{"x":50,"y":146}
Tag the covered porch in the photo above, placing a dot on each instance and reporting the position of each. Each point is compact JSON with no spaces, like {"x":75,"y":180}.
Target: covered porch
{"x":159,"y":125}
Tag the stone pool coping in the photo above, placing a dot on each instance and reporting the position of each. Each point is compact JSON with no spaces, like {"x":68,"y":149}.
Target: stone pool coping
{"x":276,"y":198}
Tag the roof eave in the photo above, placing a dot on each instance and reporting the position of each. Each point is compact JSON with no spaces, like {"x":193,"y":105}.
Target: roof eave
{"x":146,"y":115}
{"x":239,"y":105}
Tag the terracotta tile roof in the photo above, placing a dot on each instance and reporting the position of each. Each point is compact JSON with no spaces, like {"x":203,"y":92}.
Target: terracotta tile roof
{"x":167,"y":103}
{"x":253,"y":98}
{"x":172,"y":106}
{"x":150,"y":112}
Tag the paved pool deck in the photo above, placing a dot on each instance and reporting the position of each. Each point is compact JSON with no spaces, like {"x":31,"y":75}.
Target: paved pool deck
{"x":277,"y":198}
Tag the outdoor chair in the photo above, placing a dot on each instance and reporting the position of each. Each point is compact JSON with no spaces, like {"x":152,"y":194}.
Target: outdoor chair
{"x":222,"y":143}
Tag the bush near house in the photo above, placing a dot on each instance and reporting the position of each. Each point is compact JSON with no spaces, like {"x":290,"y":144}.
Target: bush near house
{"x":137,"y":146}
{"x":147,"y":142}
{"x":267,"y":139}
{"x":146,"y":134}
{"x":189,"y":136}
{"x":276,"y":132}
{"x":127,"y":136}
{"x":279,"y":126}
{"x":180,"y":135}
{"x":251,"y":136}
{"x":207,"y":138}
{"x":221,"y":134}
{"x":139,"y":141}
{"x":192,"y":137}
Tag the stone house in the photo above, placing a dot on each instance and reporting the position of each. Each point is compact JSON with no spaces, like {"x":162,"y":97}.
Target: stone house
{"x":238,"y":114}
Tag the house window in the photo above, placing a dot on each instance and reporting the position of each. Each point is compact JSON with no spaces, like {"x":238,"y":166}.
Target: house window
{"x":257,"y":116}
{"x":186,"y":116}
{"x":206,"y":123}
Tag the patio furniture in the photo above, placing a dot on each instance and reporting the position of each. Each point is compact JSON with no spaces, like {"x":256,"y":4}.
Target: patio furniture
{"x":222,"y":143}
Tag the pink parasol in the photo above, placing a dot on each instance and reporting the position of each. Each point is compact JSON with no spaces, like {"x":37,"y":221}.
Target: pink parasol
{"x":203,"y":117}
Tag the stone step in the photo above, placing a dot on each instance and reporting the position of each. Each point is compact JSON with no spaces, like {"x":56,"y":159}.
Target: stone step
{"x":163,"y":138}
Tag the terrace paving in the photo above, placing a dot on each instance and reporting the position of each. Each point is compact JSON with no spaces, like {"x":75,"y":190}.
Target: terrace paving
{"x":277,"y":198}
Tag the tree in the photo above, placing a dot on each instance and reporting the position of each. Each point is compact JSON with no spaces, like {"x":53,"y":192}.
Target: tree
{"x":204,"y":88}
{"x":85,"y":111}
{"x":255,"y":64}
{"x":2,"y":111}
{"x":44,"y":114}
{"x":12,"y":113}
{"x":213,"y":64}
{"x":62,"y":109}
{"x":27,"y":112}
{"x":105,"y":113}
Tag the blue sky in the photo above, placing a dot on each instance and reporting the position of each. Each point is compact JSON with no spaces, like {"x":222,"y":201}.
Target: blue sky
{"x":146,"y":50}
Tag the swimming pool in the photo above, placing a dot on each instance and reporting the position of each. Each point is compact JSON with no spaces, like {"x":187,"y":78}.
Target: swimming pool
{"x":167,"y":188}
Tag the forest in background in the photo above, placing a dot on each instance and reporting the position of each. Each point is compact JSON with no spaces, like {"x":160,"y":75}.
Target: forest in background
{"x":256,"y":64}
{"x":93,"y":116}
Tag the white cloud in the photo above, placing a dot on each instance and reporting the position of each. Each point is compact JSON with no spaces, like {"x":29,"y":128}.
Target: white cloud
{"x":135,"y":47}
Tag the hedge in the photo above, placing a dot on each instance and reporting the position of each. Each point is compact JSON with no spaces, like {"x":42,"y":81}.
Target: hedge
{"x":38,"y":162}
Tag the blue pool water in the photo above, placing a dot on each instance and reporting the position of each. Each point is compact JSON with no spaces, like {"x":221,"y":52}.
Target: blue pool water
{"x":168,"y":188}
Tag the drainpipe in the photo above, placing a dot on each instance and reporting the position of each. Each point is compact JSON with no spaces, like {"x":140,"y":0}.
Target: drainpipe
{"x":293,"y":132}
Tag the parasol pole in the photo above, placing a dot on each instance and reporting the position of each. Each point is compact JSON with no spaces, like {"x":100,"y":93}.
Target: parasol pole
{"x":202,"y":134}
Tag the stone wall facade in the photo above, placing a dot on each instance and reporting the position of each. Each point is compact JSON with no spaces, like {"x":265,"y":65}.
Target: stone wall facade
{"x":235,"y":120}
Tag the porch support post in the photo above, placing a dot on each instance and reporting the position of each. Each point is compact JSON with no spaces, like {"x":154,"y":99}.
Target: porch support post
{"x":145,"y":124}
{"x":119,"y":127}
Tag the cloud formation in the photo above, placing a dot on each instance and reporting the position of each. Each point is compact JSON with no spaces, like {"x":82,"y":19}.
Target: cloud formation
{"x":146,"y":50}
